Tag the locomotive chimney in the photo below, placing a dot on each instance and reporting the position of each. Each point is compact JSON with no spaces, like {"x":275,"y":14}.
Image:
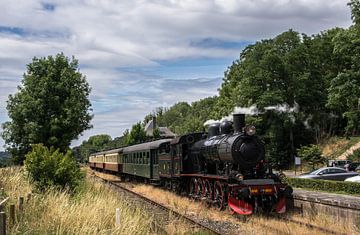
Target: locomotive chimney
{"x":239,"y":122}
{"x":214,"y":129}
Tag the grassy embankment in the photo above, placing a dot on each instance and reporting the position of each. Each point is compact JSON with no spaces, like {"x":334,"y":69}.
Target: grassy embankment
{"x":90,"y":211}
{"x":335,"y":146}
{"x":255,"y":224}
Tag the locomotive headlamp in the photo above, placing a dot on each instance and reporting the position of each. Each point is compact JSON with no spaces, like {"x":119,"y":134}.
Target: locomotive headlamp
{"x":250,"y":130}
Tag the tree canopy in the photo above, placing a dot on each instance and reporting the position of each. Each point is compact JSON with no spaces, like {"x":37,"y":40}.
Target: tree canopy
{"x":51,"y":106}
{"x":137,"y":134}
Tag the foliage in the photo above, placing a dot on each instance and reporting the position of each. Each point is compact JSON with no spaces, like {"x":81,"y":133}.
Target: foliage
{"x":355,"y":156}
{"x":137,"y":134}
{"x":183,"y":118}
{"x":51,"y":107}
{"x":50,"y":168}
{"x":311,"y":154}
{"x":94,"y":144}
{"x":156,"y":133}
{"x":4,"y":159}
{"x":325,"y":185}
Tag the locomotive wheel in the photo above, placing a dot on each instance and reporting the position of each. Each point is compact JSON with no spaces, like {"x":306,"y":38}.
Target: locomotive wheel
{"x":200,"y":188}
{"x":207,"y":190}
{"x":192,"y":187}
{"x":219,"y":195}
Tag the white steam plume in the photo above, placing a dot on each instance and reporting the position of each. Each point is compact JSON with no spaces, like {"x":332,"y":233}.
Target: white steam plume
{"x":284,"y":108}
{"x":211,"y":121}
{"x":253,"y":110}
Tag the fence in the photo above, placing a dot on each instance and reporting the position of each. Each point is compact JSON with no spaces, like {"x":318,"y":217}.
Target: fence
{"x":12,"y":213}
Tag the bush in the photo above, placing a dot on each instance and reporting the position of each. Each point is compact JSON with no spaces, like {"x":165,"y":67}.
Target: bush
{"x":325,"y":185}
{"x":311,"y":154}
{"x":355,"y":156}
{"x":50,"y":168}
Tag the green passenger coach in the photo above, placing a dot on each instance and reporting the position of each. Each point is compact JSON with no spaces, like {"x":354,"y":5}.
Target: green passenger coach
{"x":143,"y":159}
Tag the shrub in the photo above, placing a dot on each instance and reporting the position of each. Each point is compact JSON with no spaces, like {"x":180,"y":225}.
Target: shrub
{"x":325,"y":185}
{"x":311,"y":154}
{"x":355,"y":156}
{"x":50,"y":168}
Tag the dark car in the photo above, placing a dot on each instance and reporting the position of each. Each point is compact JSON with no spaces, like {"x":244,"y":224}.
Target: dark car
{"x":329,"y":173}
{"x":338,"y":163}
{"x":352,"y":166}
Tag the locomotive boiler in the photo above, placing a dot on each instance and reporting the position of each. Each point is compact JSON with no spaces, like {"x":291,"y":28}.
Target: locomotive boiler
{"x":232,"y":147}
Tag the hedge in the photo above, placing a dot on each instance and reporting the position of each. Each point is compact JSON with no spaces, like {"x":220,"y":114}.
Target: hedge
{"x":325,"y":185}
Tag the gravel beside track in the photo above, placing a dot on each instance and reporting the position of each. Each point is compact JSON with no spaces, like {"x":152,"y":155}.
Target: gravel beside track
{"x":206,"y":225}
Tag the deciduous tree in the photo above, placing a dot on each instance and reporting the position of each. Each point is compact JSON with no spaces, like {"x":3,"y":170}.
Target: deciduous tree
{"x":51,"y":106}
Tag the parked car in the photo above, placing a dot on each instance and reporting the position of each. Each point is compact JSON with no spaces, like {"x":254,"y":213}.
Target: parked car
{"x":354,"y":179}
{"x":329,"y":173}
{"x":353,"y":166}
{"x":338,"y":163}
{"x":357,"y":169}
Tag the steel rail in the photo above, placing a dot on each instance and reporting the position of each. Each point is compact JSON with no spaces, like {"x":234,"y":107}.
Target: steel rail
{"x":164,"y":208}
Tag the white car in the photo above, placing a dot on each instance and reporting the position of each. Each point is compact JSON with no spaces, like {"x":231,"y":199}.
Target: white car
{"x":354,"y":179}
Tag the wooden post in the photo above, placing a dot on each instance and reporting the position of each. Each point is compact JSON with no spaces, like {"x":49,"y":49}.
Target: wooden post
{"x":12,"y":214}
{"x":2,"y":223}
{"x":21,"y":204}
{"x":28,"y":197}
{"x":117,"y":217}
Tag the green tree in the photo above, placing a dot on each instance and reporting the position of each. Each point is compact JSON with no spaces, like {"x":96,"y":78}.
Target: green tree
{"x":137,"y":134}
{"x":51,"y":168}
{"x":156,"y":133}
{"x":51,"y":107}
{"x":344,"y":89}
{"x":311,"y":154}
{"x":94,"y":144}
{"x":355,"y":156}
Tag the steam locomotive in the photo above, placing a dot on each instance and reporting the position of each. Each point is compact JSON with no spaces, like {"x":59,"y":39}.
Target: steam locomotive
{"x":225,"y":167}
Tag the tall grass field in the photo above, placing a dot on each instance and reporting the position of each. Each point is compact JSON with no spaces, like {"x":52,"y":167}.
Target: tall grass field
{"x":90,"y":211}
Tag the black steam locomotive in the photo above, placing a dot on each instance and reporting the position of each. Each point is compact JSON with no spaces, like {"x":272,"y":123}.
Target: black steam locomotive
{"x":225,"y":167}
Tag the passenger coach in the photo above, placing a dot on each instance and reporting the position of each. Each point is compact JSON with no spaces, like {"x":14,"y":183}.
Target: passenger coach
{"x":142,"y":160}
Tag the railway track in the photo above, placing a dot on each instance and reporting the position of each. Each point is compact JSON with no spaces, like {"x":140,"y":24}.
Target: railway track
{"x":212,"y":227}
{"x":166,"y":210}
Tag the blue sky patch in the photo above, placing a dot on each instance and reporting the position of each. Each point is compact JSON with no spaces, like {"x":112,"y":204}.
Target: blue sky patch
{"x":12,"y":30}
{"x":48,"y":6}
{"x":218,"y":43}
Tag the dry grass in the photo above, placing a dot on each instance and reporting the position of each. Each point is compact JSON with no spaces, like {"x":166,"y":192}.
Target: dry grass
{"x":91,"y":211}
{"x":248,"y":225}
{"x":335,"y":146}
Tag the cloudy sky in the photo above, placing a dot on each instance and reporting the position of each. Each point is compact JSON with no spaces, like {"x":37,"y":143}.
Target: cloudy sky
{"x":138,"y":55}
